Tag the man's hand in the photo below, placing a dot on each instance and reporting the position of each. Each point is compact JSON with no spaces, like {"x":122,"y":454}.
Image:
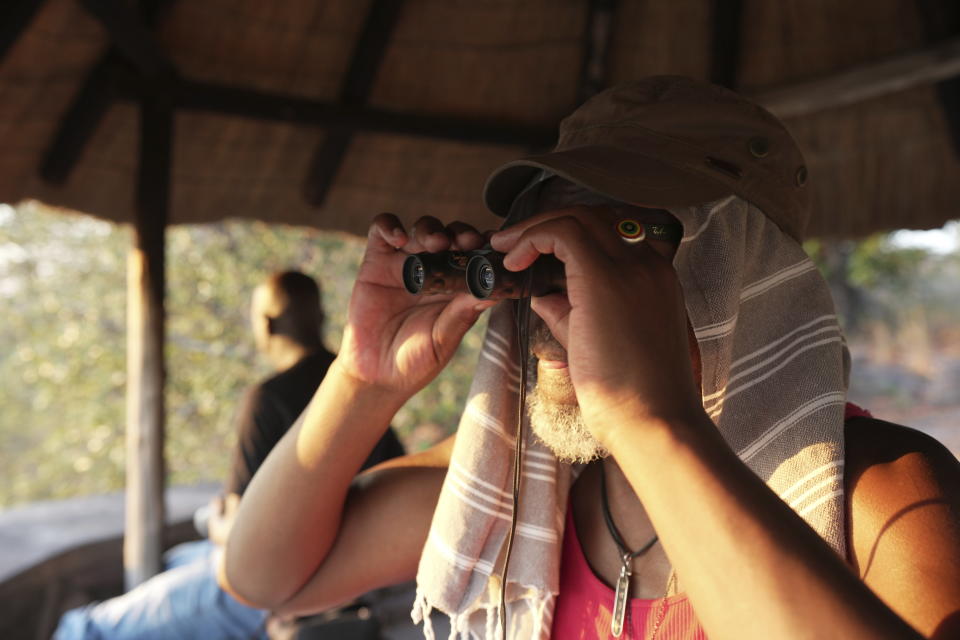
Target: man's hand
{"x":622,"y":319}
{"x":394,"y":339}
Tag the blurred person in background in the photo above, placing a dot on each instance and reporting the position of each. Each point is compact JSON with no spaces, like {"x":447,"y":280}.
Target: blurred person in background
{"x":185,"y":601}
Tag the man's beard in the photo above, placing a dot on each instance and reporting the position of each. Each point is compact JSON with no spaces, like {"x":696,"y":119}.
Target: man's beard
{"x":559,"y":425}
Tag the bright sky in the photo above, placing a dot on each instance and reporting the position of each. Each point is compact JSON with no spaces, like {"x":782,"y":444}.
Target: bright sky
{"x":945,"y":240}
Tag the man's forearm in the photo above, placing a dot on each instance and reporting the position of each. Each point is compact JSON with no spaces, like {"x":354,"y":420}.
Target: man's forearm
{"x":291,"y":512}
{"x":752,"y":567}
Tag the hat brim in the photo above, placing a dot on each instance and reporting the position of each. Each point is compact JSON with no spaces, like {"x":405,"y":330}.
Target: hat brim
{"x":610,"y":171}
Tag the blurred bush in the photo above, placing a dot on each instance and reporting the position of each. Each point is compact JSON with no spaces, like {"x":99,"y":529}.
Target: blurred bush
{"x":900,"y":308}
{"x":63,"y":342}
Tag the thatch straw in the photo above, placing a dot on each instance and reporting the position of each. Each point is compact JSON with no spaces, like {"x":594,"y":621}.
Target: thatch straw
{"x":884,"y":163}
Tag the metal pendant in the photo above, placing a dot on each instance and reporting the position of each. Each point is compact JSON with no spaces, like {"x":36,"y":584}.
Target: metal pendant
{"x":621,"y":598}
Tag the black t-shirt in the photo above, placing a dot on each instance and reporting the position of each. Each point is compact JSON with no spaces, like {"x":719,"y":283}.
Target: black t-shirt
{"x":271,"y":407}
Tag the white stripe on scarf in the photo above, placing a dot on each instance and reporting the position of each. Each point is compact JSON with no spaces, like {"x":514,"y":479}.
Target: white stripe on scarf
{"x":746,"y":338}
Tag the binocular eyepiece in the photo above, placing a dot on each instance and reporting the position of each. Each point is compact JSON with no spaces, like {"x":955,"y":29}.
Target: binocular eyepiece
{"x":481,"y":273}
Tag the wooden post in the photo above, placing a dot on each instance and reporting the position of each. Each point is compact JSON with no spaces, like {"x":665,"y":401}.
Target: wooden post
{"x":595,"y":59}
{"x":146,"y":371}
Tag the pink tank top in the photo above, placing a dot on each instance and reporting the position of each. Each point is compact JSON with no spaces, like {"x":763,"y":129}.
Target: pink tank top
{"x":584,"y":605}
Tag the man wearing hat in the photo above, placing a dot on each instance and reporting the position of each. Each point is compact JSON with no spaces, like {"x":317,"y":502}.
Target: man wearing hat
{"x":684,"y":465}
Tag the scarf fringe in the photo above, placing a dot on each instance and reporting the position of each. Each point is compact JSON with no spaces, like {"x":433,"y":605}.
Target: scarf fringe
{"x":421,"y":613}
{"x":538,"y":608}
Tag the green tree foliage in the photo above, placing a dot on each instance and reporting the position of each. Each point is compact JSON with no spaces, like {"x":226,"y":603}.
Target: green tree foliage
{"x":876,"y":281}
{"x":899,"y":306}
{"x":63,"y":299}
{"x":62,"y":357}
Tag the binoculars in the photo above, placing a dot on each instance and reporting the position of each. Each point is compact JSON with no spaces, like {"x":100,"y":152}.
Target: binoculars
{"x":481,"y":273}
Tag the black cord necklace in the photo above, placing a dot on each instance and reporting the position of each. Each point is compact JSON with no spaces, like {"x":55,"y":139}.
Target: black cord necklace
{"x":622,"y":597}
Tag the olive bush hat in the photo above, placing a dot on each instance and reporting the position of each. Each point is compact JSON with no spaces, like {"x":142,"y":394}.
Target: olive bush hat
{"x":670,"y":141}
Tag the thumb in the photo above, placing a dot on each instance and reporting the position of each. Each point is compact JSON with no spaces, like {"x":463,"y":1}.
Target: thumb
{"x":456,"y":319}
{"x":554,"y":309}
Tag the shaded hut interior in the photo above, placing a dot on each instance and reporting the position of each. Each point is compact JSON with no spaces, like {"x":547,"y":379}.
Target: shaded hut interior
{"x":323,"y":114}
{"x":320,"y":113}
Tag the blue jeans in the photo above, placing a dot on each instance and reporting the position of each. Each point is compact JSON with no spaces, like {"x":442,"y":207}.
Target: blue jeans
{"x":181,"y":603}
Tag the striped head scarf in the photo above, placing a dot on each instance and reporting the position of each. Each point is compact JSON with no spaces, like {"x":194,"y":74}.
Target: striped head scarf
{"x":774,"y":374}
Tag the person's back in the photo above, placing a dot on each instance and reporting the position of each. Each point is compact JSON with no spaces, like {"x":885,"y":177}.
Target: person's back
{"x":271,"y":407}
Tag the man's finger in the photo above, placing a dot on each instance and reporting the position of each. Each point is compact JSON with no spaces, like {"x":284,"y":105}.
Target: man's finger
{"x":565,"y":237}
{"x":464,"y":237}
{"x":428,"y":234}
{"x":386,"y":231}
{"x":514,"y":231}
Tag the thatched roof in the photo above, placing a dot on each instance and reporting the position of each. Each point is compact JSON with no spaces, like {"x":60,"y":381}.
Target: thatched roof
{"x":407,"y":106}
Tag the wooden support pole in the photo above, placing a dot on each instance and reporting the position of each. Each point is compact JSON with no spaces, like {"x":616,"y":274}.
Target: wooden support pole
{"x":725,"y":43}
{"x":941,"y":21}
{"x":146,"y":369}
{"x":862,"y":83}
{"x":597,"y":36}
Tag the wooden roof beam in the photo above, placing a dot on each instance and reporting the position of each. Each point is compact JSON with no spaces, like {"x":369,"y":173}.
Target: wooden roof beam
{"x":15,"y":15}
{"x":133,"y":42}
{"x":368,"y":53}
{"x":200,"y":96}
{"x":725,"y":42}
{"x":917,"y":68}
{"x":131,"y":37}
{"x":152,"y":10}
{"x":261,"y":105}
{"x":597,"y":34}
{"x":80,"y":121}
{"x":370,"y":49}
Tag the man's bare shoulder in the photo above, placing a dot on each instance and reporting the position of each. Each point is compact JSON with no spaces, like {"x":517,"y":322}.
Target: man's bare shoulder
{"x":903,"y":522}
{"x":901,"y":485}
{"x":871,"y":443}
{"x":890,"y":467}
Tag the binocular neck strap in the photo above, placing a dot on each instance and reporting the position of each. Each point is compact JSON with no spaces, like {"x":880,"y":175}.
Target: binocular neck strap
{"x":521,"y":313}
